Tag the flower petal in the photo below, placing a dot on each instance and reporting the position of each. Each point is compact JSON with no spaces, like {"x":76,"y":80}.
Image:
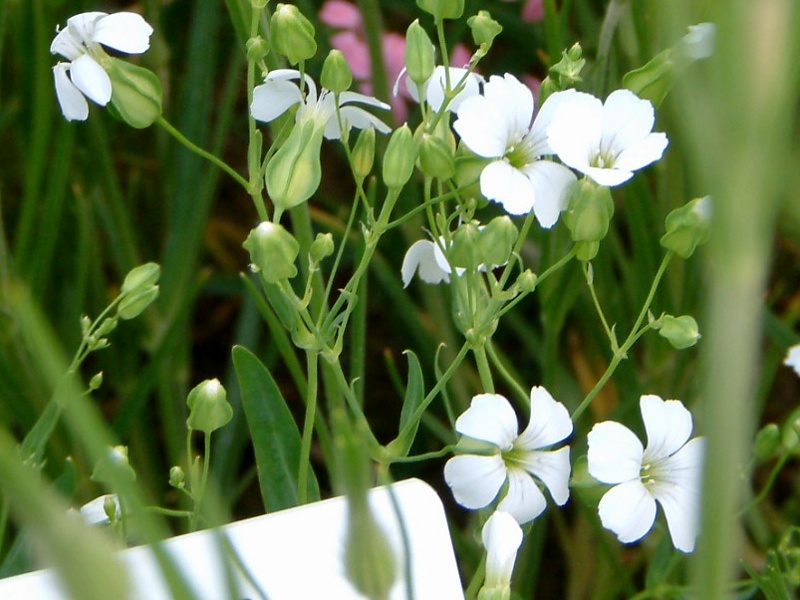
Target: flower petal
{"x":574,"y":134}
{"x":627,"y":119}
{"x":82,"y":25}
{"x":549,"y":422}
{"x":668,"y":425}
{"x":642,"y":153}
{"x":481,"y":127}
{"x":551,"y":185}
{"x":73,"y":104}
{"x":91,"y":79}
{"x":514,"y":102}
{"x":273,"y":98}
{"x":608,"y":177}
{"x":509,"y":186}
{"x":552,"y":468}
{"x":434,"y":87}
{"x":793,"y":358}
{"x":475,"y":480}
{"x":421,"y":258}
{"x":123,"y":31}
{"x":524,"y":500}
{"x":628,"y":510}
{"x":489,"y":418}
{"x":353,"y":117}
{"x":502,"y":537}
{"x":615,"y":453}
{"x":548,"y":112}
{"x":67,"y":44}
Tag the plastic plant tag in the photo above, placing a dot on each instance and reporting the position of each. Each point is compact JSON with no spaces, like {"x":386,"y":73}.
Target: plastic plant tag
{"x":291,"y":554}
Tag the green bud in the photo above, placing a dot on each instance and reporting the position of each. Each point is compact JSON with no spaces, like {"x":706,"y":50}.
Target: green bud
{"x":399,"y":159}
{"x":142,"y":276}
{"x":682,"y":332}
{"x":589,"y":211}
{"x":442,"y":9}
{"x":364,"y":154}
{"x":465,"y":252}
{"x":135,"y":93}
{"x":133,"y":304}
{"x":336,"y":74}
{"x":547,"y":89}
{"x":322,"y":247}
{"x":293,"y":173}
{"x":791,"y":433}
{"x":257,"y":49}
{"x":526,"y":282}
{"x":177,"y":477}
{"x":687,"y":227}
{"x":496,"y":241}
{"x":586,"y":251}
{"x":654,"y":80}
{"x":96,"y":381}
{"x":110,"y":506}
{"x":420,"y":59}
{"x":273,"y":252}
{"x":568,"y":69}
{"x":484,"y":29}
{"x":108,"y":325}
{"x":767,"y":442}
{"x":209,"y":408}
{"x":436,"y":158}
{"x":292,"y":33}
{"x":113,"y":467}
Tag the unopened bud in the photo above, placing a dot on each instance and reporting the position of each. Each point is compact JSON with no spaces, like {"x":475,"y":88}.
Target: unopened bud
{"x":96,"y":381}
{"x":294,"y":172}
{"x":687,"y":227}
{"x":133,"y":305}
{"x":568,"y":69}
{"x":177,"y":477}
{"x":588,"y":214}
{"x":364,"y":154}
{"x":142,"y":276}
{"x":767,"y":442}
{"x":292,"y":33}
{"x":465,"y":252}
{"x":419,"y":53}
{"x":114,"y":467}
{"x":484,"y":29}
{"x":135,"y":93}
{"x":496,"y":241}
{"x":526,"y":282}
{"x":399,"y":159}
{"x":322,"y":247}
{"x":436,"y":158}
{"x":273,"y":251}
{"x":682,"y":332}
{"x":257,"y":49}
{"x":209,"y":408}
{"x":442,"y":9}
{"x":336,"y":74}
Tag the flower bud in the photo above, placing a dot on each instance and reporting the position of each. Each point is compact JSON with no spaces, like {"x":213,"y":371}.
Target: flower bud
{"x":399,"y":159}
{"x":767,"y":442}
{"x":336,"y":74}
{"x":526,"y":282}
{"x":687,"y":227}
{"x":442,"y":9}
{"x":436,"y":158}
{"x":465,"y":252}
{"x":273,"y":251}
{"x":209,"y":408}
{"x":568,"y":69}
{"x":292,"y":33}
{"x":96,"y":381}
{"x":419,"y":54}
{"x":257,"y":49}
{"x":682,"y":332}
{"x":135,"y":93}
{"x":322,"y":247}
{"x":293,"y":173}
{"x":496,"y":241}
{"x":142,"y":276}
{"x":177,"y":477}
{"x":133,"y":304}
{"x":364,"y":154}
{"x":484,"y":29}
{"x":113,"y":467}
{"x":589,"y":211}
{"x":501,"y":537}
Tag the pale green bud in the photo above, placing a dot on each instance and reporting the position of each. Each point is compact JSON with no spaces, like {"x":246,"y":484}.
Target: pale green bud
{"x":257,"y":49}
{"x":135,"y":93}
{"x":399,"y":159}
{"x":273,"y":252}
{"x":687,"y":227}
{"x":336,"y":74}
{"x":292,"y":33}
{"x":436,"y":158}
{"x":419,"y":53}
{"x":465,"y":252}
{"x":484,"y":29}
{"x":568,"y":69}
{"x":177,"y":477}
{"x":113,"y":467}
{"x":791,"y":432}
{"x":108,"y":325}
{"x":589,"y":211}
{"x":133,"y":304}
{"x":322,"y":247}
{"x":682,"y":332}
{"x":209,"y":408}
{"x":442,"y":9}
{"x":294,"y":173}
{"x":142,"y":276}
{"x":767,"y":442}
{"x":96,"y":381}
{"x":496,"y":241}
{"x":526,"y":282}
{"x":364,"y":154}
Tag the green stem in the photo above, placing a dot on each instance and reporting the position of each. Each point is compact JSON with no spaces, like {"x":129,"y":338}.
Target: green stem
{"x":312,"y":360}
{"x":484,"y":371}
{"x":552,"y":30}
{"x":506,"y":374}
{"x":612,"y":338}
{"x":423,"y":457}
{"x":254,"y":146}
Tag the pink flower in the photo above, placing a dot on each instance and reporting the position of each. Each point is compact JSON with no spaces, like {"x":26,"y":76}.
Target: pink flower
{"x":532,"y":11}
{"x":340,"y":14}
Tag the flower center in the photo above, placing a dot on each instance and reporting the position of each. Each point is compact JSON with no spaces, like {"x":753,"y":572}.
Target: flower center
{"x":520,"y":154}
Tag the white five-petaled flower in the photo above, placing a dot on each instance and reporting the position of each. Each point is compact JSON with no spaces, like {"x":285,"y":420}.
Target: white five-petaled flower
{"x":81,"y":43}
{"x":426,"y":258}
{"x":520,"y":459}
{"x":792,"y":357}
{"x":280,"y":92}
{"x":501,"y":537}
{"x":607,"y":142}
{"x":497,"y":125}
{"x":668,"y":471}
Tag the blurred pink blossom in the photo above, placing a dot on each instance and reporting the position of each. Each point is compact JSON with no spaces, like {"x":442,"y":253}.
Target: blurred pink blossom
{"x":532,"y":10}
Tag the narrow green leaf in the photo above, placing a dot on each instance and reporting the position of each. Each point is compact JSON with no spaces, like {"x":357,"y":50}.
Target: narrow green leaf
{"x":276,"y":439}
{"x":415,"y":393}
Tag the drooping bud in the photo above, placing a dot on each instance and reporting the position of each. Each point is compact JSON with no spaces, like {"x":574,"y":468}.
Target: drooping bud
{"x":682,"y":332}
{"x":292,"y":33}
{"x":399,"y":159}
{"x":420,"y":59}
{"x":209,"y":408}
{"x":257,"y":49}
{"x":589,"y":211}
{"x":336,"y":74}
{"x":177,"y":478}
{"x":687,"y":227}
{"x":496,"y":241}
{"x":484,"y":29}
{"x":135,"y":93}
{"x":442,"y":9}
{"x":294,"y":172}
{"x":322,"y":247}
{"x":142,"y":276}
{"x":364,"y":154}
{"x":273,"y":251}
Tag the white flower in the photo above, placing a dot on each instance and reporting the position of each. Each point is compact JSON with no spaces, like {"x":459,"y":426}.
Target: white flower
{"x":497,"y":125}
{"x":427,"y":258}
{"x":433,"y":89}
{"x":95,"y":512}
{"x":668,"y":471}
{"x":793,"y":358}
{"x":476,"y":479}
{"x":501,"y":537}
{"x":279,"y":93}
{"x":607,"y":142}
{"x":80,"y":43}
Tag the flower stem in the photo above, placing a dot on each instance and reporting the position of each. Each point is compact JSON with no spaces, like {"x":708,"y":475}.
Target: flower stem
{"x":312,"y":361}
{"x":483,"y":369}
